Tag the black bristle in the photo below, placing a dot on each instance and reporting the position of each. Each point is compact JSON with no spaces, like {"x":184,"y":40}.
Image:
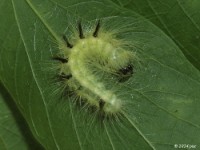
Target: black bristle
{"x":67,"y":42}
{"x":101,"y":104}
{"x":62,"y":60}
{"x":95,"y":34}
{"x":64,"y":76}
{"x":80,"y":30}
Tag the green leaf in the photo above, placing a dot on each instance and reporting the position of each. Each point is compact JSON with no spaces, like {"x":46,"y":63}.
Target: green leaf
{"x":14,"y":132}
{"x":179,"y":19}
{"x":163,"y":92}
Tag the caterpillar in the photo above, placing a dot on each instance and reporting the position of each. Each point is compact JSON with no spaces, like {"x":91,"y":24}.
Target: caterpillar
{"x":89,"y":59}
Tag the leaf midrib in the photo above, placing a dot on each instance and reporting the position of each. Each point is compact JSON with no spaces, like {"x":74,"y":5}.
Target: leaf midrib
{"x":33,"y":73}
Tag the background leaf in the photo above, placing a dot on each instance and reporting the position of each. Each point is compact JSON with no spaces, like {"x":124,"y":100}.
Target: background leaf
{"x":179,"y":19}
{"x":14,"y":132}
{"x":163,"y":92}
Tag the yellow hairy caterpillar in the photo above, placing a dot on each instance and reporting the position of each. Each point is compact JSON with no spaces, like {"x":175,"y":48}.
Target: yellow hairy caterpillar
{"x":92,"y":62}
